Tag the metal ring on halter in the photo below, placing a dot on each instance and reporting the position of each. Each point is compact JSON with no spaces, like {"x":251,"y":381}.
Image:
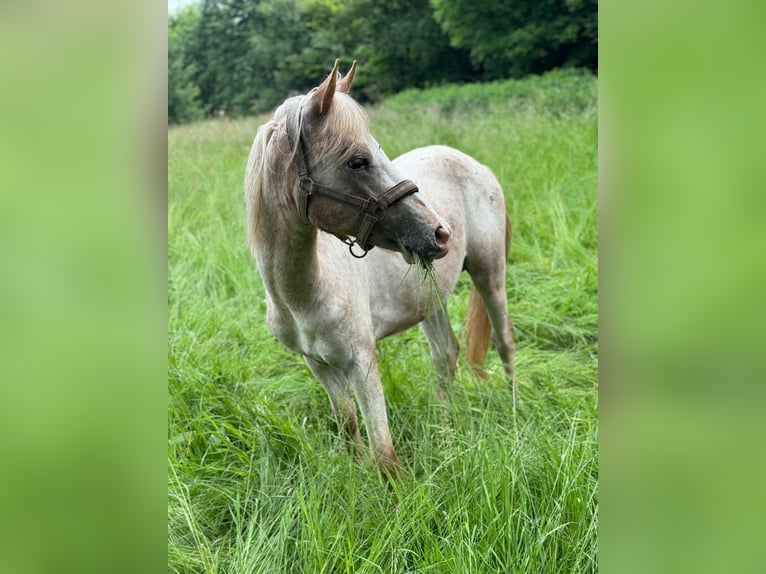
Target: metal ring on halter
{"x":351,"y":242}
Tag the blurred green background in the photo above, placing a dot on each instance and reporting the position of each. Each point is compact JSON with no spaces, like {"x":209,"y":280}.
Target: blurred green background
{"x":681,"y":284}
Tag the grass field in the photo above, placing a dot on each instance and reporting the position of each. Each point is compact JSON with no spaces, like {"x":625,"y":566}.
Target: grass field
{"x":257,"y":478}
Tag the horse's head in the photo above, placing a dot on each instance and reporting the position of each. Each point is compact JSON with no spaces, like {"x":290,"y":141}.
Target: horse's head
{"x":349,"y":187}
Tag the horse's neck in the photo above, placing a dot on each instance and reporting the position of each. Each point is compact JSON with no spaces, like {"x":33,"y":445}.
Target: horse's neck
{"x":287,"y":256}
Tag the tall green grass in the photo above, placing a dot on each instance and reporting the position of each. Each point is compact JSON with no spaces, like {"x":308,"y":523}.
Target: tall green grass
{"x":258,"y":480}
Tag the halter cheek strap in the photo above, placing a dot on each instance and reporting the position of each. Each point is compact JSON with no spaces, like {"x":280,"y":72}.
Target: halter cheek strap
{"x":373,"y":208}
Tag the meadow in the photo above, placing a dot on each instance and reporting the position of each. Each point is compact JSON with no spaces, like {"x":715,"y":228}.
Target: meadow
{"x":258,"y":480}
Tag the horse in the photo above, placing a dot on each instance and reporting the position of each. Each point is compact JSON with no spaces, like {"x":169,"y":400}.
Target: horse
{"x":320,"y":193}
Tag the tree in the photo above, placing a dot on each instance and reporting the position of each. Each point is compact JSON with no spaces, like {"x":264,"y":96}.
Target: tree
{"x":519,"y":37}
{"x":398,"y":44}
{"x":183,"y":94}
{"x":249,"y":54}
{"x":219,"y":48}
{"x":238,"y":57}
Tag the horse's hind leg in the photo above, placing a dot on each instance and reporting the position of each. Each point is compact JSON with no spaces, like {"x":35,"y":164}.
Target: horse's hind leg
{"x":489,"y":281}
{"x":342,"y":401}
{"x":444,"y":346}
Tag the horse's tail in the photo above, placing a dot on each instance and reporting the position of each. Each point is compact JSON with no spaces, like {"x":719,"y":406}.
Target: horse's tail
{"x":478,"y":327}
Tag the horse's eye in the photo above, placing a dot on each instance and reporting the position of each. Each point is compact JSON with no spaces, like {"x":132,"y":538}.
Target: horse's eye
{"x":358,"y":162}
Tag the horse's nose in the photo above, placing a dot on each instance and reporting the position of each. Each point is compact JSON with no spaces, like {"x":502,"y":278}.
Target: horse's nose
{"x":442,"y":235}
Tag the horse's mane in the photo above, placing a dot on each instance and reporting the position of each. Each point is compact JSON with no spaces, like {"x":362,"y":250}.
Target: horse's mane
{"x":342,"y":131}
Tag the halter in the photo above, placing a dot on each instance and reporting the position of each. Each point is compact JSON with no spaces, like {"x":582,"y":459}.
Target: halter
{"x":373,"y":208}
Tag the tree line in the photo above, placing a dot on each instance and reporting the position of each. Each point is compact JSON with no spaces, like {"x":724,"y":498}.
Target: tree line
{"x":239,"y":57}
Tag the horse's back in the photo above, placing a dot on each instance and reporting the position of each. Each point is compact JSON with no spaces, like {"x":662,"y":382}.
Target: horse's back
{"x":464,"y":191}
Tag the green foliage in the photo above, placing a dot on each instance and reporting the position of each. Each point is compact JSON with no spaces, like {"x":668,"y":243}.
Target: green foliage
{"x":183,"y":94}
{"x":257,"y":479}
{"x":522,"y":36}
{"x":238,"y":57}
{"x":220,"y":46}
{"x":557,"y":92}
{"x":398,"y":44}
{"x":244,"y":53}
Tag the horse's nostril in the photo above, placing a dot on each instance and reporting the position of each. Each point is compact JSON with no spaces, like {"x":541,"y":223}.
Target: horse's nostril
{"x":442,"y":235}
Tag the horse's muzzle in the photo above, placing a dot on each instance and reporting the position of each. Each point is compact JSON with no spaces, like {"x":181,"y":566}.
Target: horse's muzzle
{"x":442,"y":237}
{"x":435,"y":247}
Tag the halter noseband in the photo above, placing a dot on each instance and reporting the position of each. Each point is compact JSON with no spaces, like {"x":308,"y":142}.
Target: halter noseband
{"x":373,"y":208}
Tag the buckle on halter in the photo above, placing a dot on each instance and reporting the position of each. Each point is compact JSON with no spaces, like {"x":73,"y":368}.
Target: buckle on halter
{"x":303,"y":202}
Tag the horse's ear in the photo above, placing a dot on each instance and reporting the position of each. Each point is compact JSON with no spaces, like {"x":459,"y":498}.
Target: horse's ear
{"x":345,"y":84}
{"x":321,"y":100}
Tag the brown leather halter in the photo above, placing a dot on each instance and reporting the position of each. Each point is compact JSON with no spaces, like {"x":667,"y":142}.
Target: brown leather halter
{"x":373,"y":208}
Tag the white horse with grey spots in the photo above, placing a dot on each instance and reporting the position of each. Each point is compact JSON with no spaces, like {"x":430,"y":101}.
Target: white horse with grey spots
{"x":315,"y":175}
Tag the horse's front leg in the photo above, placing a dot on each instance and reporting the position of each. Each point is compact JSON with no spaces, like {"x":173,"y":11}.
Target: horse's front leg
{"x":365,"y":380}
{"x":336,"y":383}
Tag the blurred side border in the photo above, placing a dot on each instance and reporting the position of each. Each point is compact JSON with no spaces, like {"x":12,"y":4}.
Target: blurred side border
{"x":682,"y":242}
{"x":83,"y":190}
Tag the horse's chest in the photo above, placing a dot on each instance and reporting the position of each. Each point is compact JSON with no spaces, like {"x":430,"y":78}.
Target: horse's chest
{"x":316,"y":336}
